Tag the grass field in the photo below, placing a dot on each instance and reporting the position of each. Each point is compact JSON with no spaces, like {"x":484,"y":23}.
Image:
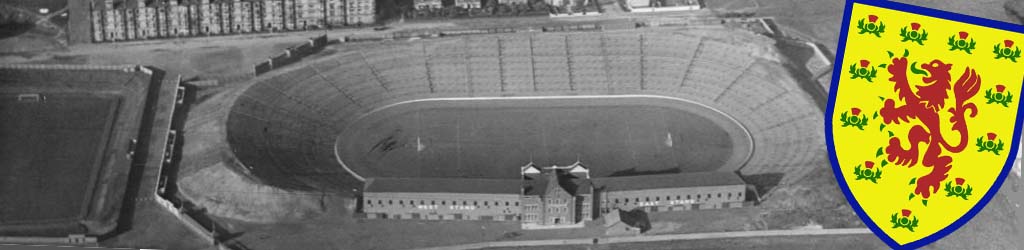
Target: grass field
{"x":49,"y":153}
{"x":493,"y":138}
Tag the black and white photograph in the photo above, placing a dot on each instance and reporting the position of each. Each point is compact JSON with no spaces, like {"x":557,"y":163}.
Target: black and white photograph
{"x":480,"y":124}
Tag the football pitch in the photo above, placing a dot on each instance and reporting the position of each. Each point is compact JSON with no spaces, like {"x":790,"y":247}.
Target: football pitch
{"x":50,"y":153}
{"x":492,"y":138}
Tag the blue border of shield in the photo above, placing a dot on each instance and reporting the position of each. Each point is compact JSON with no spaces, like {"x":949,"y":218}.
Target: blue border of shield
{"x":830,"y":109}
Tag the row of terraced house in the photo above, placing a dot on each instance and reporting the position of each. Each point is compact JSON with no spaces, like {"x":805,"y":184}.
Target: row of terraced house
{"x":120,"y":20}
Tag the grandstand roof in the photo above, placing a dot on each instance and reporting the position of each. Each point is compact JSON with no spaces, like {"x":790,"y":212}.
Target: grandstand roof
{"x":443,"y":185}
{"x":643,"y":182}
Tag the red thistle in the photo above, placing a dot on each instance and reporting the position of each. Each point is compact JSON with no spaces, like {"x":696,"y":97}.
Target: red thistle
{"x":991,"y":136}
{"x":869,"y":164}
{"x":855,"y":111}
{"x":959,"y":181}
{"x":1008,"y":43}
{"x":963,"y":35}
{"x":864,"y":63}
{"x":915,"y":26}
{"x":1000,"y":88}
{"x":872,"y":18}
{"x":906,"y":212}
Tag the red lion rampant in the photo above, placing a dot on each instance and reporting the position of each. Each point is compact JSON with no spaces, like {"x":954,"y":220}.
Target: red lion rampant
{"x":925,"y":105}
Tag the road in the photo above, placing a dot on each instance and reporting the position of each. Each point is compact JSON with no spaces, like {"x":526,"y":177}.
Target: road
{"x":666,"y":237}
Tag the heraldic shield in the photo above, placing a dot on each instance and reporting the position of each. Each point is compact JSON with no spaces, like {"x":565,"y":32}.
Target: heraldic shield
{"x":923,"y":118}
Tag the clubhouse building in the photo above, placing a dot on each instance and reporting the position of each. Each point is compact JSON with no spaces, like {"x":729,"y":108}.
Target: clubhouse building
{"x":548,"y":197}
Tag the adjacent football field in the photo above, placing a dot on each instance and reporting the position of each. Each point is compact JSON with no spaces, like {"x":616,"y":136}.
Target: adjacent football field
{"x":492,"y":138}
{"x":49,"y":154}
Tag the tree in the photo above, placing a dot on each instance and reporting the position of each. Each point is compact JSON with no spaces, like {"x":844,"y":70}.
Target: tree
{"x":539,"y":6}
{"x":504,"y":9}
{"x":489,"y":4}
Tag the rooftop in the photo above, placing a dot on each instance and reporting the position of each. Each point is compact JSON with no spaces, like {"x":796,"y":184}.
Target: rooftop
{"x":642,"y":182}
{"x":537,"y":184}
{"x":443,"y":185}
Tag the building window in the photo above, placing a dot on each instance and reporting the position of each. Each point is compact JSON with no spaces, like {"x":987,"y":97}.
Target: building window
{"x":432,"y":203}
{"x":517,"y":203}
{"x":464,"y":203}
{"x":421,"y":202}
{"x":730,"y":195}
{"x":719,"y":195}
{"x":647,"y":198}
{"x":636,"y":199}
{"x":443,"y":203}
{"x":678,"y":197}
{"x":657,"y":198}
{"x":485,"y":203}
{"x":687,"y":197}
{"x":368,"y":202}
{"x":507,"y":203}
{"x":474,"y":203}
{"x":616,"y":200}
{"x":380,"y":202}
{"x":400,"y":202}
{"x":389,"y":202}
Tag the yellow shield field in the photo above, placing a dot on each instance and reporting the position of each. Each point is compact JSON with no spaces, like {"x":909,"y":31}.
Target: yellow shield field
{"x":923,"y":116}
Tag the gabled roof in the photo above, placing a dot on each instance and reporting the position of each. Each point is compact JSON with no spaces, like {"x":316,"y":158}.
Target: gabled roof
{"x":576,"y":185}
{"x":530,"y":168}
{"x":578,"y":168}
{"x":552,"y":178}
{"x":571,"y":184}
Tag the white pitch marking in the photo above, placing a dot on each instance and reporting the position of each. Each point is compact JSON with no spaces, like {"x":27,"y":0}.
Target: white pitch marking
{"x":749,"y":137}
{"x":419,"y":145}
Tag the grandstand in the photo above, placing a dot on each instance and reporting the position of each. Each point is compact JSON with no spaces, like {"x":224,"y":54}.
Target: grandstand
{"x":66,"y":152}
{"x":285,"y":128}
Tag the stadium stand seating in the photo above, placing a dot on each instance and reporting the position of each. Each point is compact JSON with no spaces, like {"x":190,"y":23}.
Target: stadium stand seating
{"x":624,"y":69}
{"x":517,"y":64}
{"x":587,"y":61}
{"x":288,"y":123}
{"x":448,"y":68}
{"x":551,"y":63}
{"x":484,"y":64}
{"x":667,"y":59}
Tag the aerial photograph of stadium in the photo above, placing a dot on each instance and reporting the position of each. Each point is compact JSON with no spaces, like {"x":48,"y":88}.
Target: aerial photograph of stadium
{"x":434,"y":124}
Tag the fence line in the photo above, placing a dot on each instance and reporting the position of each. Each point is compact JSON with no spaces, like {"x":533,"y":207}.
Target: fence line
{"x":68,"y":67}
{"x":291,"y":55}
{"x":664,"y":237}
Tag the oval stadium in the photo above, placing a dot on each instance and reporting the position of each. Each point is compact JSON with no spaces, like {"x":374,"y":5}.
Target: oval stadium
{"x":376,"y":124}
{"x":623,"y":103}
